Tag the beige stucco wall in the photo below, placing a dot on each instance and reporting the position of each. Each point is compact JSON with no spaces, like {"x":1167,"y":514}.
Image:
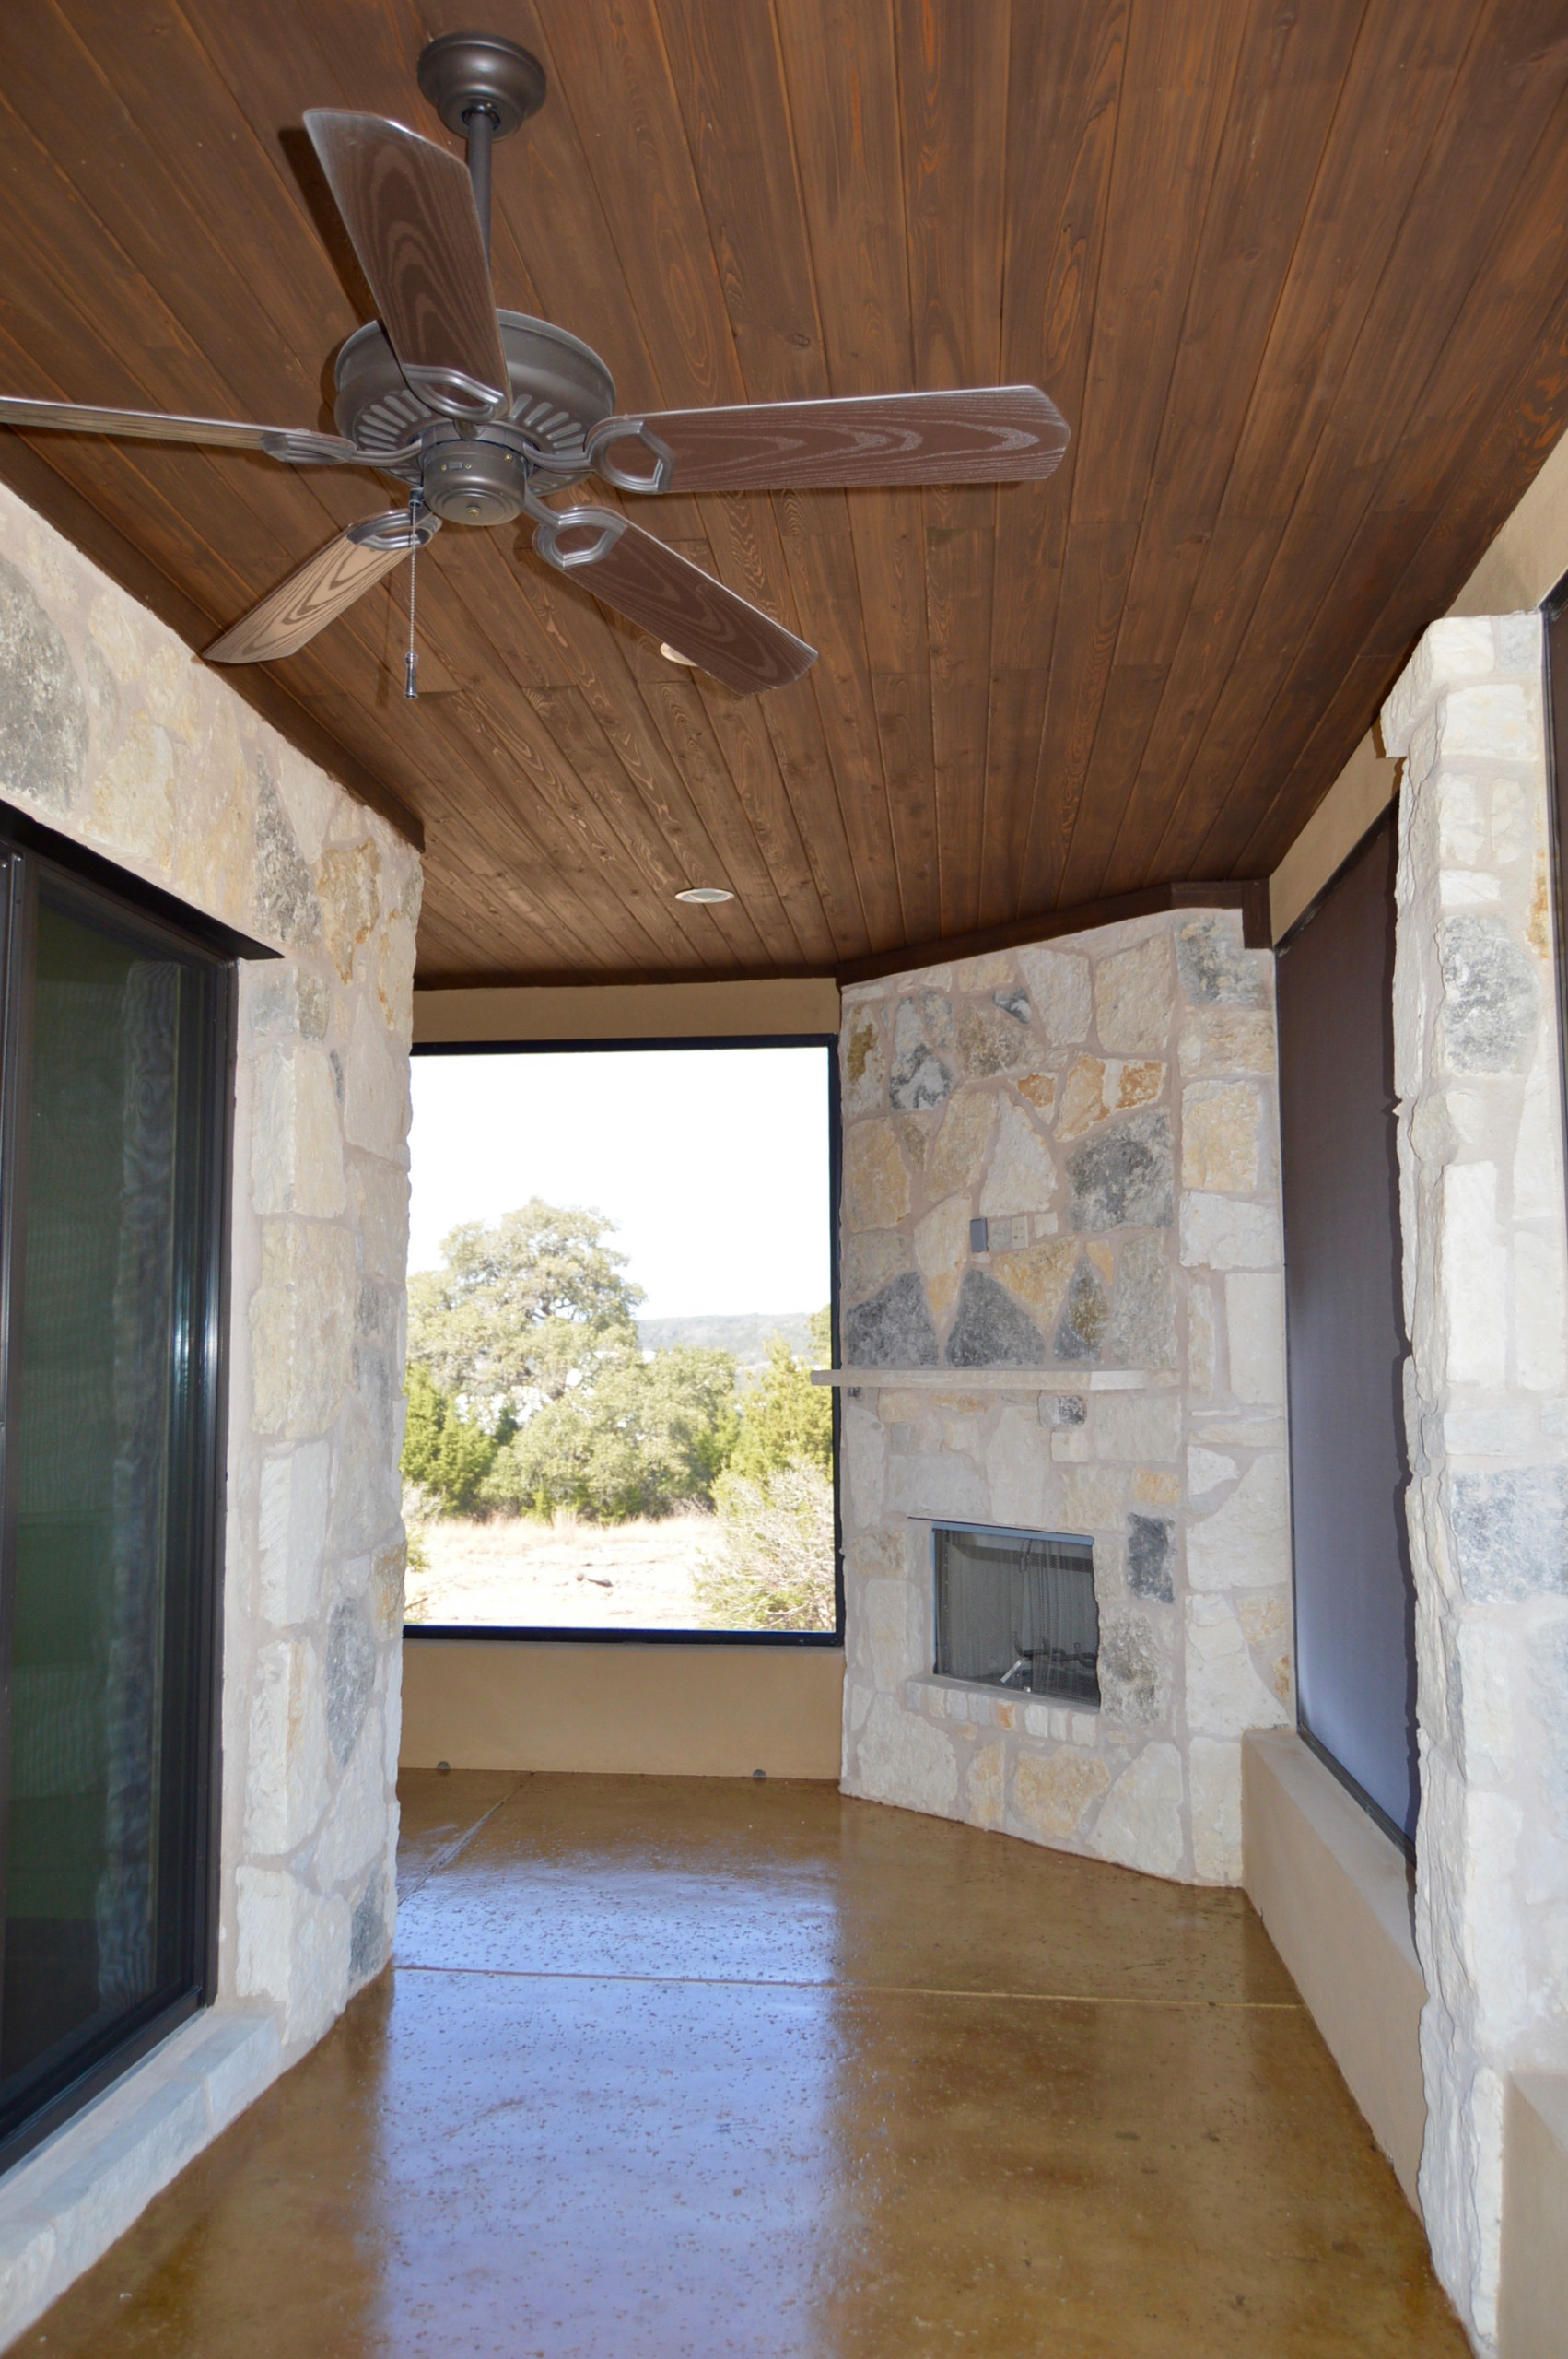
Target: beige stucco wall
{"x":674,"y":1711}
{"x":112,"y":732}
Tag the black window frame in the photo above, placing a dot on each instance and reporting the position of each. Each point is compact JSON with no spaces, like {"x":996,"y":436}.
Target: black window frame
{"x":549,"y":1634}
{"x":35,"y":857}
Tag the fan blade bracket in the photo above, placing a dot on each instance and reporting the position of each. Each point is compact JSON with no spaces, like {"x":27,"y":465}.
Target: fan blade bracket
{"x":456,"y":394}
{"x":395,"y":532}
{"x":551,"y":538}
{"x":605,"y":437}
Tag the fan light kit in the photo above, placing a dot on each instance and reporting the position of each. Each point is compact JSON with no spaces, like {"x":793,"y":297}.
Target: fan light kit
{"x":705,"y":894}
{"x":482,"y":414}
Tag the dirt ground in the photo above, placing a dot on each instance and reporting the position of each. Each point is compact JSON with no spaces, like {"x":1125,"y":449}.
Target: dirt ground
{"x":635,"y":1576}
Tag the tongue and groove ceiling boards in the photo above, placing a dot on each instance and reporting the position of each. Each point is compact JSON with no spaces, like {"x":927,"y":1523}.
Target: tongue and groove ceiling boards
{"x":1298,"y":277}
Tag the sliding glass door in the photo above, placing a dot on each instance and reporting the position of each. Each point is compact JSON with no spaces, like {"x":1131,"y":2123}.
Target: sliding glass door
{"x":113,"y":1099}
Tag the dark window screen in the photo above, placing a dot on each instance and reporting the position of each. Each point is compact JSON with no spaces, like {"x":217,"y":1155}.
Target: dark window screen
{"x":1355,"y":1643}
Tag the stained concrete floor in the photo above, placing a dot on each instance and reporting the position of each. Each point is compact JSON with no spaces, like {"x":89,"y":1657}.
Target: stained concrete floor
{"x":671,"y":2067}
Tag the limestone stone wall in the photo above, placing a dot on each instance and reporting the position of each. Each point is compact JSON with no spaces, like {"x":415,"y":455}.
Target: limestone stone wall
{"x":112,"y":732}
{"x":1483,"y":1215}
{"x":1111,"y":1364}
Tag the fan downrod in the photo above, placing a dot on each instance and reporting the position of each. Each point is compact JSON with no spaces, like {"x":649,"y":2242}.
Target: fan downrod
{"x":483,"y":88}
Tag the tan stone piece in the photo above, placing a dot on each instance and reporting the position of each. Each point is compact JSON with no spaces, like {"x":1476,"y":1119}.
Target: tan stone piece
{"x":1138,"y":1083}
{"x":1050,"y":1793}
{"x":1022,"y":1178}
{"x":865,"y":1077}
{"x":1219,"y":1137}
{"x":1039,"y":1277}
{"x":1156,"y":1486}
{"x":957,"y":1155}
{"x":941,"y":1247}
{"x":1132,"y":998}
{"x":1082,"y":1097}
{"x":1228,"y":1039}
{"x":876,"y":1184}
{"x":1039,"y":1088}
{"x":871,"y":1257}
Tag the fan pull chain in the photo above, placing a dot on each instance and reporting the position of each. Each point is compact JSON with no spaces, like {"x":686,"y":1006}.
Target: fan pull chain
{"x":411,"y":670}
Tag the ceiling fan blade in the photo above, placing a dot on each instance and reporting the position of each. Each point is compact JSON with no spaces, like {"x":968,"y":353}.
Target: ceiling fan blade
{"x":671,"y":599}
{"x":295,"y":444}
{"x":992,"y":434}
{"x":321,"y":587}
{"x":408,"y":206}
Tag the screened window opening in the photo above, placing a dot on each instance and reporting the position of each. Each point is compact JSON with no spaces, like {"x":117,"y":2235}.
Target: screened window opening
{"x":621,"y":1284}
{"x":1017,"y":1610}
{"x":112,"y":1116}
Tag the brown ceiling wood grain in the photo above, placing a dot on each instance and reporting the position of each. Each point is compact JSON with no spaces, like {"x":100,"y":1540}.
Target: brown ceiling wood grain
{"x":1296,"y":274}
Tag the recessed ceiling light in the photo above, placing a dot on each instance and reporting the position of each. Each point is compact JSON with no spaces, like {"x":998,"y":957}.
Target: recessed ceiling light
{"x":703,"y":893}
{"x":674,"y":655}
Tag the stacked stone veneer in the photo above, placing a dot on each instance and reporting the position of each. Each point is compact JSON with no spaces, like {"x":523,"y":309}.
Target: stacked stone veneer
{"x":1107,"y":1105}
{"x":1481,"y":1157}
{"x":112,"y":732}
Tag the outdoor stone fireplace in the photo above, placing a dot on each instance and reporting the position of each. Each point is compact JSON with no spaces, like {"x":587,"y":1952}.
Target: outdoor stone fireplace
{"x":1063,"y":1314}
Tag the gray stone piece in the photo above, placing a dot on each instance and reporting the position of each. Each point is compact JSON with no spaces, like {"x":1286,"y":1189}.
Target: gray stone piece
{"x":1132,"y":1681}
{"x":990,"y":1040}
{"x":43,"y":713}
{"x":1142,"y":1328}
{"x":991,"y":1331}
{"x":1014,"y":1001}
{"x":1084,"y":1316}
{"x":1063,"y":1409}
{"x":1511,"y":1533}
{"x":286,"y":903}
{"x":1150,"y":1549}
{"x":923,"y":1015}
{"x":368,"y":1932}
{"x":1122,"y":1176}
{"x":1215,"y":970}
{"x":1489,"y":995}
{"x":919,"y":1080}
{"x":351,"y":1673}
{"x":894,"y":1329}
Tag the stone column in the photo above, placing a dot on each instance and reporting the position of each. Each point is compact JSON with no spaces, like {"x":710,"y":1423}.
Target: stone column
{"x":1482,"y":1207}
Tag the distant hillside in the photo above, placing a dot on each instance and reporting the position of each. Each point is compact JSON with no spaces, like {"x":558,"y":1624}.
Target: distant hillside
{"x":743,"y":1332}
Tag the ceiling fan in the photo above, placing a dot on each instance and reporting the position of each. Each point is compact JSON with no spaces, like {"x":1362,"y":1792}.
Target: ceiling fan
{"x":480,"y":412}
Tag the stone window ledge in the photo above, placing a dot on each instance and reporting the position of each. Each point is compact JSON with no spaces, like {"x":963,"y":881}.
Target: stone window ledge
{"x":1036,"y":1716}
{"x":64,"y":2205}
{"x":995,"y":1379}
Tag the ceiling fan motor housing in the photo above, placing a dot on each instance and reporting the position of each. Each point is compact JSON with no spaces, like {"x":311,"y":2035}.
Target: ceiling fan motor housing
{"x":560,"y":390}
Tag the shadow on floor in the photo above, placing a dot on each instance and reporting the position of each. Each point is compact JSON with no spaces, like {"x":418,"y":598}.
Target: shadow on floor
{"x":677,"y":2068}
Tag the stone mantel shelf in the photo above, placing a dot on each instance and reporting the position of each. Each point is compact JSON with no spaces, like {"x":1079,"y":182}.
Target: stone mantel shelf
{"x":994,"y":1379}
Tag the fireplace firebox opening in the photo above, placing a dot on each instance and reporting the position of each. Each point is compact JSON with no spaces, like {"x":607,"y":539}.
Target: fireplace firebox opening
{"x":1016,"y":1609}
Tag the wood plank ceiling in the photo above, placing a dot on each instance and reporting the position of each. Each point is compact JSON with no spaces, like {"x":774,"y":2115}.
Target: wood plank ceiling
{"x":1297,"y":275}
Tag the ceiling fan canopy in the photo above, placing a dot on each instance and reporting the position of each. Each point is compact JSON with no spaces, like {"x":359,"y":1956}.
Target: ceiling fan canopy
{"x":480,"y":412}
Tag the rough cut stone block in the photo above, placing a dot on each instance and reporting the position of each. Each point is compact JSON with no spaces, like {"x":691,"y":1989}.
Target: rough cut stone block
{"x":1134,"y":1676}
{"x":1058,"y":982}
{"x":1085,"y":1315}
{"x":990,"y":1042}
{"x":1218,"y":1136}
{"x":871,"y":1256}
{"x":43,"y":714}
{"x":1497,"y":721}
{"x":1140,"y":1822}
{"x":1215,"y":969}
{"x":1458,"y":648}
{"x":351,"y":1674}
{"x":296,"y":1135}
{"x":1214,"y":1773}
{"x":1123,"y":1179}
{"x":900,"y":1758}
{"x":1038,"y":1278}
{"x":1142,"y":1327}
{"x":1224,"y":1695}
{"x":1245,"y":1543}
{"x":1473,"y":1272}
{"x":876,"y":1185}
{"x":1222,"y":1233}
{"x":1050,"y":1793}
{"x":942,"y":1248}
{"x":1255,"y":1325}
{"x":1132,"y":998}
{"x":956,"y":1158}
{"x":302,"y":1326}
{"x":294,"y":1497}
{"x":864,"y":1070}
{"x":1151,"y":1553}
{"x":990,"y":1329}
{"x":1510,"y":1531}
{"x":1022,"y":1178}
{"x":919,"y":1080}
{"x":1488,"y":996}
{"x":893,"y":1330}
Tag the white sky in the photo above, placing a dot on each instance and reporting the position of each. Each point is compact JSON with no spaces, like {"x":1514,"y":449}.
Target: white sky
{"x":712,"y":1163}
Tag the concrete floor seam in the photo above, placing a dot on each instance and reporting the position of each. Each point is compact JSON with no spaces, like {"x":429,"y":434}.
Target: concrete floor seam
{"x":856,"y":1990}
